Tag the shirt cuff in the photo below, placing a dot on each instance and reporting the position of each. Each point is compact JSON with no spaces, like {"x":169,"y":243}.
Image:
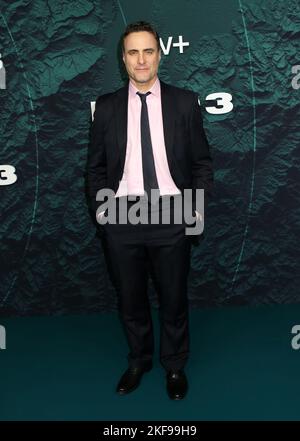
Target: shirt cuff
{"x":198,"y":216}
{"x":99,"y":215}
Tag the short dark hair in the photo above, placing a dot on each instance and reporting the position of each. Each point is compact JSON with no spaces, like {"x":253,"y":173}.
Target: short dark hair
{"x":139,"y":26}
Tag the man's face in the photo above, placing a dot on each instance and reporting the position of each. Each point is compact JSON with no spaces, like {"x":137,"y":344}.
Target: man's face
{"x":141,"y":57}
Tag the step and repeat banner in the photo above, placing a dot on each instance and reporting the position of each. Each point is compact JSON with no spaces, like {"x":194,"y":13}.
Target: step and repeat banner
{"x":242,"y":57}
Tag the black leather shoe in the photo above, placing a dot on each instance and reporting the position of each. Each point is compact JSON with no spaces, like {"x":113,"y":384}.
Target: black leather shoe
{"x":177,"y":384}
{"x":130,"y":380}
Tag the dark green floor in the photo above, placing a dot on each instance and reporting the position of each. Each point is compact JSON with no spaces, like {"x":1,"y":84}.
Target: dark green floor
{"x":242,"y":367}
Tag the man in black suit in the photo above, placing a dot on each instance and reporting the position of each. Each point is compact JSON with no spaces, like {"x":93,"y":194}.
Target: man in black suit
{"x":149,"y":136}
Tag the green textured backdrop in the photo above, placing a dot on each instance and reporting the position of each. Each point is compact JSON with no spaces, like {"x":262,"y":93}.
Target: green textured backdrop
{"x":60,"y":56}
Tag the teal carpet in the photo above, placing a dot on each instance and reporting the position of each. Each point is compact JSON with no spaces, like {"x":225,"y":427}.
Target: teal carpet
{"x":242,"y":367}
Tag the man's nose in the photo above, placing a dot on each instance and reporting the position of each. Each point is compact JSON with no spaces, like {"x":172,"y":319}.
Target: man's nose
{"x":141,"y":59}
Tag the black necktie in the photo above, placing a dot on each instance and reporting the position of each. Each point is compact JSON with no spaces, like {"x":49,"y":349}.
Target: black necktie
{"x":149,"y":174}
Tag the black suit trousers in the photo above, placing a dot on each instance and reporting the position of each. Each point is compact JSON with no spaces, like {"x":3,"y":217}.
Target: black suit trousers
{"x":163,"y":250}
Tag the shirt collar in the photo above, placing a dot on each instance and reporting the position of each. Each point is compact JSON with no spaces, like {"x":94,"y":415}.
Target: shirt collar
{"x":155,"y":89}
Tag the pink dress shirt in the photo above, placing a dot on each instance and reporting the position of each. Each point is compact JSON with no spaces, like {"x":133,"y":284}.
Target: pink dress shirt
{"x":132,"y":179}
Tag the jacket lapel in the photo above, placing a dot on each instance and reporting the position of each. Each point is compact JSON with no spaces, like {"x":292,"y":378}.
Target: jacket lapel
{"x":168,"y":109}
{"x":121,"y":110}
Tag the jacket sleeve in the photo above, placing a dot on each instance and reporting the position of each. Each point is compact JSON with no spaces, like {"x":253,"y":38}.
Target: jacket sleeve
{"x":202,"y":171}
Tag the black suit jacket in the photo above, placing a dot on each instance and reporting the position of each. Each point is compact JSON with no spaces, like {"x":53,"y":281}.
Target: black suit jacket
{"x":186,"y":144}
